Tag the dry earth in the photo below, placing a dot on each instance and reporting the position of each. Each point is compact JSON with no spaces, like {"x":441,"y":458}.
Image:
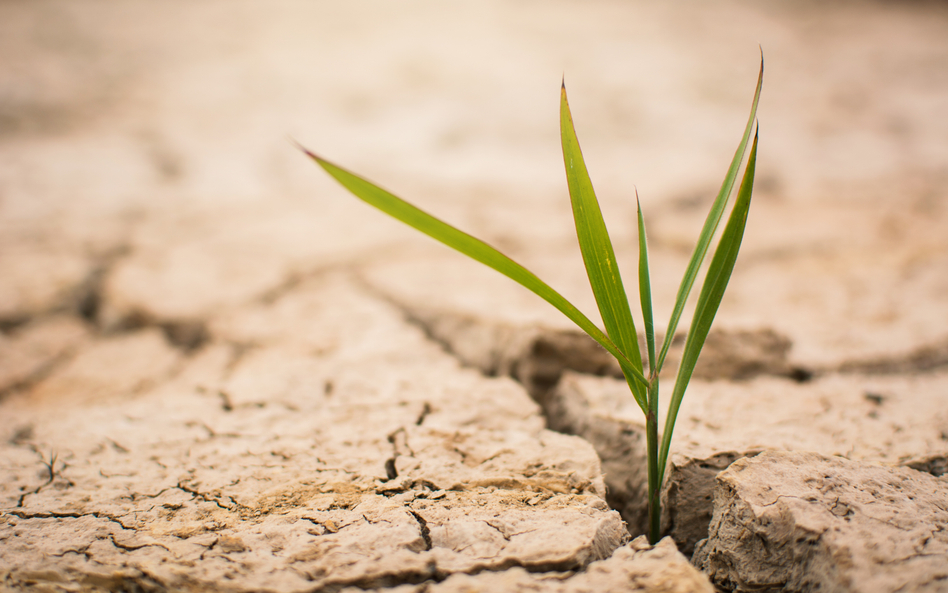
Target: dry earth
{"x":219,"y":372}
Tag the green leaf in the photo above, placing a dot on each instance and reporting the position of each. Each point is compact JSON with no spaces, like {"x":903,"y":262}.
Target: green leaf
{"x":473,"y":248}
{"x":645,"y":292}
{"x":719,"y":273}
{"x":710,"y":225}
{"x":598,"y":254}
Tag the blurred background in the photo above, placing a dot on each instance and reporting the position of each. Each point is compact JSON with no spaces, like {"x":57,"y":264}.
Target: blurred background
{"x":147,"y":173}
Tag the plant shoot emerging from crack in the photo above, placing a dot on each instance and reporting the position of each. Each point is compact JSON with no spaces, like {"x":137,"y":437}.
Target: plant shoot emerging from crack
{"x":620,"y":337}
{"x":51,"y":465}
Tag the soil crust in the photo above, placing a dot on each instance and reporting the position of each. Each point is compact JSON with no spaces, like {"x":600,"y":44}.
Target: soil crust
{"x":219,"y":372}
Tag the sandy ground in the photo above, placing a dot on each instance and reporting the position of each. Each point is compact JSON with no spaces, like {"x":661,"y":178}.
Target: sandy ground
{"x":148,"y":184}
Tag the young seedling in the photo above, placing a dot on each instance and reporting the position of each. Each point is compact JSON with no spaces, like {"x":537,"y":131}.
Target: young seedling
{"x":620,"y":338}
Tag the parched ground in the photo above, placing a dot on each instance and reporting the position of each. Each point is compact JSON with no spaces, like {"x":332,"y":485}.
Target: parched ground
{"x":220,"y":372}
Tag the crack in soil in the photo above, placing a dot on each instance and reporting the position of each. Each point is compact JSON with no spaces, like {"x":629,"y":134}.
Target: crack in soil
{"x":88,"y":301}
{"x":83,"y":551}
{"x":502,"y":532}
{"x":132,"y":548}
{"x":386,"y":581}
{"x":545,"y":354}
{"x":432,"y":574}
{"x":50,"y":465}
{"x":537,"y":359}
{"x":87,"y":297}
{"x":425,"y":411}
{"x":235,"y":506}
{"x":423,"y":527}
{"x":73,"y":515}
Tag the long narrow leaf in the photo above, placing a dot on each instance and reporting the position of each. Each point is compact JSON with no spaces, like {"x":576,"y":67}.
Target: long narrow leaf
{"x":473,"y":248}
{"x":645,"y":292}
{"x":719,"y":273}
{"x":598,"y":254}
{"x":710,"y":225}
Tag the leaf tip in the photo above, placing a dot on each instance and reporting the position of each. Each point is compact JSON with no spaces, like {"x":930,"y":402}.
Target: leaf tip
{"x":305,"y":150}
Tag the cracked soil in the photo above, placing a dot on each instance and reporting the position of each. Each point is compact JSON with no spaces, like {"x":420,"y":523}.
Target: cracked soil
{"x":219,"y":372}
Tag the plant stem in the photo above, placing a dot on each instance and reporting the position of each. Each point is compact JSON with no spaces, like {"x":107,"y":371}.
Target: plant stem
{"x":654,"y":478}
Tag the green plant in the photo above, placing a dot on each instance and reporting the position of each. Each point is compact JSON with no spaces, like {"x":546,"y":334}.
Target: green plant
{"x":620,"y":337}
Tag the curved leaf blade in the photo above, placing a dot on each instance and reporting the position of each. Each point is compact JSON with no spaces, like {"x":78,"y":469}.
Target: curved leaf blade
{"x":598,"y":254}
{"x":473,"y":248}
{"x":712,"y":291}
{"x":710,"y":225}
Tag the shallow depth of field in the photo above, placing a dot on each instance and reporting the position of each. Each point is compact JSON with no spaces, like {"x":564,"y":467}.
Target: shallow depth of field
{"x":219,"y":371}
